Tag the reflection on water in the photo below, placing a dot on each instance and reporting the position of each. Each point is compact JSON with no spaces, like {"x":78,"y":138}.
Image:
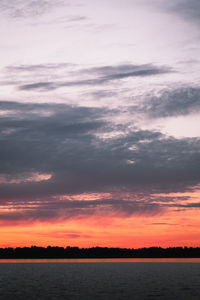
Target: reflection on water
{"x":104,"y":260}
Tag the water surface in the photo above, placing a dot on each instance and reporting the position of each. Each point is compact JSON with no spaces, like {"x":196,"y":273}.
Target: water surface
{"x":102,"y":260}
{"x":103,"y":281}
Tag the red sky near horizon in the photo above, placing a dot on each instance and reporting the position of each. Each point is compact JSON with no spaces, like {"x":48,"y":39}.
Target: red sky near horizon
{"x":168,"y":228}
{"x":99,"y":123}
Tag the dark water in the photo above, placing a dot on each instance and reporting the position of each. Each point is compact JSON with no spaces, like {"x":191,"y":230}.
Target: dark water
{"x":100,"y":260}
{"x":114,"y":280}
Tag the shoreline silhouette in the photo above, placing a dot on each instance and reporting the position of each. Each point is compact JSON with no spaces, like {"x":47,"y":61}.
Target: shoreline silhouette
{"x":98,"y":252}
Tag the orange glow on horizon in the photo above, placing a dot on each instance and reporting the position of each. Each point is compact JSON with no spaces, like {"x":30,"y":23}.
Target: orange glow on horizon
{"x":172,"y":227}
{"x":135,"y":232}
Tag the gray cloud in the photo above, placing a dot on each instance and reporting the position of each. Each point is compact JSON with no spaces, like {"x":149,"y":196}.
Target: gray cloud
{"x":55,"y":208}
{"x":188,"y":9}
{"x":124,"y":69}
{"x":101,"y":75}
{"x":98,"y":94}
{"x":28,"y":8}
{"x":17,"y":74}
{"x":66,"y":143}
{"x":69,"y":209}
{"x":181,"y":101}
{"x":38,"y":67}
{"x":40,"y":85}
{"x":189,"y":205}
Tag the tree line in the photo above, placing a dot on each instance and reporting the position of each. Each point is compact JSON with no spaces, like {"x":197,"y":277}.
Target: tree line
{"x":98,"y":252}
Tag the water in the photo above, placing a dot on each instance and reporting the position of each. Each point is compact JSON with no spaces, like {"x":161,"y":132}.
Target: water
{"x":117,"y":280}
{"x":100,"y":260}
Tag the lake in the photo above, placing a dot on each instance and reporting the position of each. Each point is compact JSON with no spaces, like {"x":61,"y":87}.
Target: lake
{"x":137,"y":279}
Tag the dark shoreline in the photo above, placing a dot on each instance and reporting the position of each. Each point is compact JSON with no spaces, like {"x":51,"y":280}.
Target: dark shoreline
{"x":50,"y":252}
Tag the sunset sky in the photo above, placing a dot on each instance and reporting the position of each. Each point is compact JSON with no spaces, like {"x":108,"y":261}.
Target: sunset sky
{"x":100,"y":123}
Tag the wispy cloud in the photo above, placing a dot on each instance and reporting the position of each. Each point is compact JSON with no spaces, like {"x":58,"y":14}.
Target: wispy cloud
{"x":38,"y":67}
{"x":70,"y":209}
{"x":101,"y":75}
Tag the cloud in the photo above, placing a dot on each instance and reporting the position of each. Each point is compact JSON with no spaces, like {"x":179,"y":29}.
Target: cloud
{"x":164,"y":223}
{"x":68,"y":21}
{"x":28,"y":8}
{"x":125,"y":69}
{"x":70,"y":209}
{"x":56,"y":208}
{"x":98,"y":94}
{"x":17,"y":74}
{"x":38,"y":67}
{"x":187,"y":9}
{"x":64,"y":234}
{"x":67,"y":144}
{"x":181,"y":101}
{"x":192,"y":205}
{"x":100,"y":75}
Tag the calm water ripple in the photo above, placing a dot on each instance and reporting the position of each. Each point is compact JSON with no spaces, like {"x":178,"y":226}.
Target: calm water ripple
{"x":89,"y":281}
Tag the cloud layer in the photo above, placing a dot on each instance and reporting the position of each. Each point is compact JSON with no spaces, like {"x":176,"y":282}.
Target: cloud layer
{"x":100,"y":75}
{"x":177,"y":102}
{"x":68,"y":145}
{"x":126,"y":73}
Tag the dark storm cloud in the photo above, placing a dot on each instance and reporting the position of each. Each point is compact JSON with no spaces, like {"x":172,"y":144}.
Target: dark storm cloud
{"x":101,"y":75}
{"x":66,"y":144}
{"x":28,"y":8}
{"x":181,"y":101}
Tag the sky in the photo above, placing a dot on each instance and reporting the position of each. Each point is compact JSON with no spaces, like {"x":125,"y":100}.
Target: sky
{"x":99,"y":123}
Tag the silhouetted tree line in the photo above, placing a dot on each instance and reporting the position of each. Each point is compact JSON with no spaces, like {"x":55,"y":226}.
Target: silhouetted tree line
{"x":98,"y":252}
